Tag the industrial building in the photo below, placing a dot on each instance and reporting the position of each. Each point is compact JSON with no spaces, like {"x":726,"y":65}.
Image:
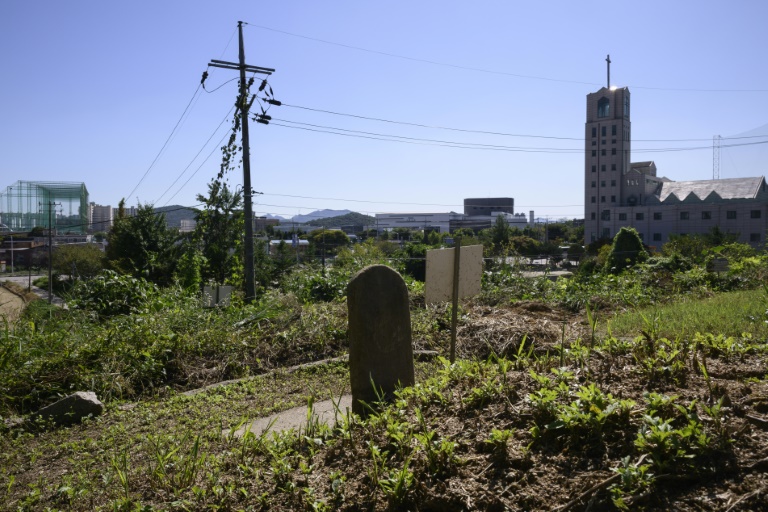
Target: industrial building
{"x":618,"y":193}
{"x":479,"y":213}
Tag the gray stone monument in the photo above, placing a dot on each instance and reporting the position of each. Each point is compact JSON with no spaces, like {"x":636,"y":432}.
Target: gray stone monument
{"x":380,"y":350}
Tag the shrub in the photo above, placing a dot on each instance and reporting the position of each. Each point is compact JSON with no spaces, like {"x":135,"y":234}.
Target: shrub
{"x":112,"y":294}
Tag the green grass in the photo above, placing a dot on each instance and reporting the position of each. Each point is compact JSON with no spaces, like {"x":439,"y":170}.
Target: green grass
{"x":730,"y":314}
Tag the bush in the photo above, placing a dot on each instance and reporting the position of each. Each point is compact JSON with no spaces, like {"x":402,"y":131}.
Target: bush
{"x":112,"y":294}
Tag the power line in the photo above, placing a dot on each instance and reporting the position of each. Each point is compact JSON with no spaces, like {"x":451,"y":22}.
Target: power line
{"x":405,"y":203}
{"x":469,"y":145}
{"x":196,"y":170}
{"x":195,"y":157}
{"x":166,"y":142}
{"x":483,"y":70}
{"x":485,"y":132}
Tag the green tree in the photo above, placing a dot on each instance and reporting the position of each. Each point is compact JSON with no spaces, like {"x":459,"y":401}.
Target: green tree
{"x":500,"y":233}
{"x":142,"y":246}
{"x":220,"y":226}
{"x":78,"y":260}
{"x":330,"y":239}
{"x":627,"y":249}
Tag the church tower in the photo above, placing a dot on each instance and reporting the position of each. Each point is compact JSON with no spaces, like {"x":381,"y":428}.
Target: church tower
{"x":606,"y":157}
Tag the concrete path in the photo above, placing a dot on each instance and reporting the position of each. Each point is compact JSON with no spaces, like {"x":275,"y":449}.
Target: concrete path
{"x":296,"y":418}
{"x":23,"y":281}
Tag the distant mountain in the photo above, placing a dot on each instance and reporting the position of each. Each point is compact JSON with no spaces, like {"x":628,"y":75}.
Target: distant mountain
{"x":348,"y":219}
{"x":176,"y":213}
{"x":318,"y":214}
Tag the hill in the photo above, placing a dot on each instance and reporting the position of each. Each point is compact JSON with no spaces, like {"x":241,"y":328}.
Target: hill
{"x":318,"y":215}
{"x":348,"y":219}
{"x":174,"y":214}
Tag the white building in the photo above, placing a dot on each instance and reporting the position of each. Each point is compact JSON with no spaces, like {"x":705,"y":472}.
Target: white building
{"x":439,"y":222}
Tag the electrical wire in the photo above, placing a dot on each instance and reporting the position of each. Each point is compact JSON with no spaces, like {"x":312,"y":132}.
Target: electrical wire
{"x":470,"y":145}
{"x":483,"y":70}
{"x":162,"y":149}
{"x":195,"y":157}
{"x":196,"y":170}
{"x":503,"y":134}
{"x":411,"y":204}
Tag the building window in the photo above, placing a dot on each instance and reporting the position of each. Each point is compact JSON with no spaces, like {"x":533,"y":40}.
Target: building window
{"x":730,"y":214}
{"x":602,"y":168}
{"x":613,"y":199}
{"x":602,"y":183}
{"x":613,"y":151}
{"x":754,"y":237}
{"x":602,"y":199}
{"x":603,"y":108}
{"x":613,"y":141}
{"x":606,"y":215}
{"x":594,"y":131}
{"x":594,"y":143}
{"x":613,"y":167}
{"x":594,"y":184}
{"x":593,"y":199}
{"x":656,"y":215}
{"x":594,"y":152}
{"x":626,"y":106}
{"x":593,"y":216}
{"x":622,"y":216}
{"x":754,"y":214}
{"x":602,"y":132}
{"x":683,"y":215}
{"x":602,"y":152}
{"x":613,"y":129}
{"x":594,"y":168}
{"x":613,"y":183}
{"x":639,"y":216}
{"x":706,"y":215}
{"x":657,"y":237}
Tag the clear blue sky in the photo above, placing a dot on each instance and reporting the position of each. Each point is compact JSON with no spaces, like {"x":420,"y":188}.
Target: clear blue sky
{"x":91,"y":91}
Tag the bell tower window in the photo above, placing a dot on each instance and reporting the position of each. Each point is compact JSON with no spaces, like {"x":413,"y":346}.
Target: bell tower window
{"x":603,"y":107}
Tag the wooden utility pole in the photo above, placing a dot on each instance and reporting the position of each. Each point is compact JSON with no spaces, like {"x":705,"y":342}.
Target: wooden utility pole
{"x":243,"y":105}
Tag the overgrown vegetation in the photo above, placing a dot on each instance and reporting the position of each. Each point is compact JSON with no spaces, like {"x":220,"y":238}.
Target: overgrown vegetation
{"x":626,"y":388}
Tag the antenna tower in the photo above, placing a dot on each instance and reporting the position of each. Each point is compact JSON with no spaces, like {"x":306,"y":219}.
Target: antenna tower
{"x":716,"y":157}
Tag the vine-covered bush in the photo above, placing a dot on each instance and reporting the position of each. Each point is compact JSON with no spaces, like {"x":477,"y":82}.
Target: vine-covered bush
{"x":110,"y":294}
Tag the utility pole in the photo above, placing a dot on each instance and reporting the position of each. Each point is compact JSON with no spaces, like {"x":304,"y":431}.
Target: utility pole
{"x":51,"y":204}
{"x":244,"y":105}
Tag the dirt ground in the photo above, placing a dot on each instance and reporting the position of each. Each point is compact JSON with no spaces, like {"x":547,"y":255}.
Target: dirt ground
{"x":11,"y":305}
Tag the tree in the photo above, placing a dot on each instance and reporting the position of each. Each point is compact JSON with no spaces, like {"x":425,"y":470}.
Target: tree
{"x":78,"y":260}
{"x":330,"y":239}
{"x":219,"y":229}
{"x":142,"y":246}
{"x":627,"y":249}
{"x":500,"y":233}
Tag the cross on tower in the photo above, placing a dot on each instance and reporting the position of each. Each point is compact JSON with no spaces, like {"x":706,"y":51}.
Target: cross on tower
{"x":608,"y":60}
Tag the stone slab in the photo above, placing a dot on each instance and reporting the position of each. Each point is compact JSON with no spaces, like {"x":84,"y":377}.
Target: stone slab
{"x":296,"y":418}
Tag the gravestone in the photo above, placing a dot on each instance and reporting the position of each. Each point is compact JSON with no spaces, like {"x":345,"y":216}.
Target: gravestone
{"x":380,"y":351}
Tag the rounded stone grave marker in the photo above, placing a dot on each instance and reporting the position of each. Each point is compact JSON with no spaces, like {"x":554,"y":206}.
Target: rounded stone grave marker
{"x":380,"y":351}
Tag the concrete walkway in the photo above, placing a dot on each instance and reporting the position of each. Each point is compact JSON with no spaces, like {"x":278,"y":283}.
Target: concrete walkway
{"x":23,"y":281}
{"x":327,"y":411}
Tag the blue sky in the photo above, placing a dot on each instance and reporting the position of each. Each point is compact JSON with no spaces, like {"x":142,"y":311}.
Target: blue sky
{"x":91,"y":91}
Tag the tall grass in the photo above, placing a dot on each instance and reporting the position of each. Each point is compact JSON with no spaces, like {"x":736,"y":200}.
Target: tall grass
{"x":730,"y":314}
